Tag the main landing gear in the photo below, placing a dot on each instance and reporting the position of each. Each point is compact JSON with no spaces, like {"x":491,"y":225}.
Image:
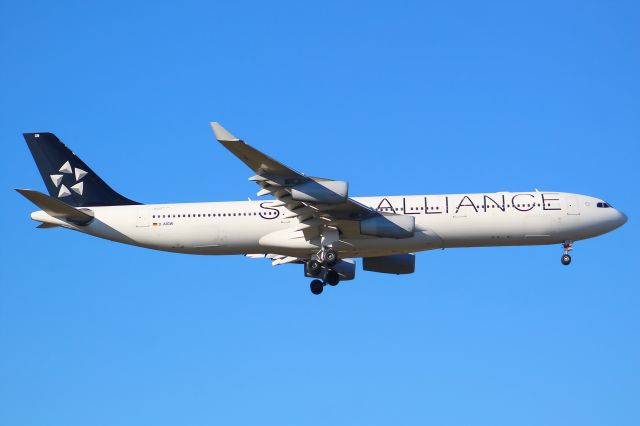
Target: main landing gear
{"x":330,"y":257}
{"x":317,"y":286}
{"x":567,"y":246}
{"x":314,"y":267}
{"x":323,"y":269}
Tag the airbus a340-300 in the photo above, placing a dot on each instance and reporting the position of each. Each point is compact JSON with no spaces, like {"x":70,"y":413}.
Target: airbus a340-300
{"x":311,"y":221}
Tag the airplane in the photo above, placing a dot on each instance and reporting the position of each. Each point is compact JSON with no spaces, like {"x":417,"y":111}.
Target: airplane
{"x":311,"y":221}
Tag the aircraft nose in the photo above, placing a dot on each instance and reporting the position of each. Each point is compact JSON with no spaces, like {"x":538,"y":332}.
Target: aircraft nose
{"x":621,"y":219}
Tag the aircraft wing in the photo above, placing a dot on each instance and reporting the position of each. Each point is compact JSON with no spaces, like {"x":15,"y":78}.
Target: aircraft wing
{"x":318,"y":203}
{"x":314,"y":201}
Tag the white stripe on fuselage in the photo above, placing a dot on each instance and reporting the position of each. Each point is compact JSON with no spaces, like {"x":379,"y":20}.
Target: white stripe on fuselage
{"x":442,"y":221}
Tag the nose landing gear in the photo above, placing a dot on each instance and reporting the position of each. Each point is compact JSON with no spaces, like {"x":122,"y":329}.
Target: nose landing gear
{"x":567,"y":246}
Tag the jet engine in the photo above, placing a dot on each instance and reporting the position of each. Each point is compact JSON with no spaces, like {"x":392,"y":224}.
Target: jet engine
{"x":393,"y":226}
{"x":393,"y":264}
{"x":321,"y":191}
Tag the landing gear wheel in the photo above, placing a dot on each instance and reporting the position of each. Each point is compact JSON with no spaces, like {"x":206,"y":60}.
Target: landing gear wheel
{"x":330,"y":257}
{"x":332,"y":277}
{"x":567,"y":246}
{"x":314,"y":268}
{"x":317,"y":286}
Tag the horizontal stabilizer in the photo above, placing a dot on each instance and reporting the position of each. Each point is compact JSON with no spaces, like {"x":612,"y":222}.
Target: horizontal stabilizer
{"x":57,"y":208}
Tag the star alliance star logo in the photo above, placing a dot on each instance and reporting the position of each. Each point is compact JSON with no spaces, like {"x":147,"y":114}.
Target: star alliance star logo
{"x":66,"y":169}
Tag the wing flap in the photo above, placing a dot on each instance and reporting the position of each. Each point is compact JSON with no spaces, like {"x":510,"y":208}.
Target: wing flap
{"x":276,"y":259}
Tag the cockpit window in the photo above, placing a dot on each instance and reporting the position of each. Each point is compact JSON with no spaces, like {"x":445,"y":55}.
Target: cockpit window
{"x":603,"y":205}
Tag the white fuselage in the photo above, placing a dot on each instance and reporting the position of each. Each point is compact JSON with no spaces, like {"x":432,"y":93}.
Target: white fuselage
{"x":442,"y":221}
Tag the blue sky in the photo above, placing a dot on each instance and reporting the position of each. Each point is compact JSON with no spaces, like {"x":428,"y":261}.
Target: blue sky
{"x":408,"y":98}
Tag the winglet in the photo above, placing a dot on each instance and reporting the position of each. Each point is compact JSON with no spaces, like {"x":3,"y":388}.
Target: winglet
{"x":222,"y":134}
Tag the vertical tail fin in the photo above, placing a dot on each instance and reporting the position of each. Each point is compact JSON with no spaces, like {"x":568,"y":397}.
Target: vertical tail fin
{"x":67,"y":177}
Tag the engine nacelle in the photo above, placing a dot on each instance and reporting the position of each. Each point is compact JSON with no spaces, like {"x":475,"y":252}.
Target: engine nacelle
{"x":345,"y":268}
{"x":396,"y":226}
{"x":393,"y":264}
{"x":323,"y":191}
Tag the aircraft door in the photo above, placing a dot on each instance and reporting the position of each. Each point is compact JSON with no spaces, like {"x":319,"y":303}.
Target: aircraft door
{"x":143,"y":216}
{"x":572,"y":205}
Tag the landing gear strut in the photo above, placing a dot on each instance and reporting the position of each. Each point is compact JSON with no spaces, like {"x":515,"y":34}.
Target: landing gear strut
{"x":567,"y":246}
